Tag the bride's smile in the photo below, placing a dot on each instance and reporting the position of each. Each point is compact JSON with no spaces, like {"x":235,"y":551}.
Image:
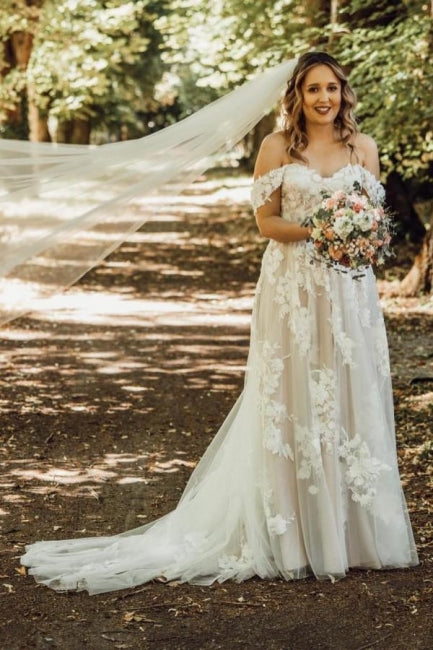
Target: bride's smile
{"x":321,"y":95}
{"x":302,"y":477}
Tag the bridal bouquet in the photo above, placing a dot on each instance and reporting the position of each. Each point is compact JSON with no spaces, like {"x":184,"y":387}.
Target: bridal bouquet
{"x":348,"y":231}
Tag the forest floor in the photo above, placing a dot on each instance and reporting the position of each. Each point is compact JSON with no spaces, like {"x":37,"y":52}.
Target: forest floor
{"x":110,"y":396}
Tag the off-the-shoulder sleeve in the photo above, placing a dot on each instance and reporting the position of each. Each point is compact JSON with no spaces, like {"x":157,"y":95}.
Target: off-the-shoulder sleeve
{"x":373,"y":187}
{"x":264,"y":186}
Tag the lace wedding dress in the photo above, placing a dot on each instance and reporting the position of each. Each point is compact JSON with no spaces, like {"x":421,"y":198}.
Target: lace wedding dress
{"x":302,"y":477}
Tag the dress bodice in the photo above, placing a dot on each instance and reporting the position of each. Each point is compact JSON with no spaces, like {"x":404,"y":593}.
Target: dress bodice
{"x":302,"y":187}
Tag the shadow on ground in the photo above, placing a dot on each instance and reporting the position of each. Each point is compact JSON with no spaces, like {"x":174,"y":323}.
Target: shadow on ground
{"x":108,"y":399}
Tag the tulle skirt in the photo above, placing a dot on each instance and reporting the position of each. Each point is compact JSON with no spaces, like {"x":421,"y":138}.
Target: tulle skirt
{"x":302,"y":477}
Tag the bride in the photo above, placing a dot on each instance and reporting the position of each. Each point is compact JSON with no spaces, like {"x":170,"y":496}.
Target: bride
{"x":302,"y":477}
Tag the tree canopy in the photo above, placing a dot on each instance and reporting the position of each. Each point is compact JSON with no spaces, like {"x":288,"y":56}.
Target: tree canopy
{"x":109,"y":68}
{"x":91,"y":63}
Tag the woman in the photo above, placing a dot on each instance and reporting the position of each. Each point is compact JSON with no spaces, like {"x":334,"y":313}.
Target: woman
{"x":302,"y":477}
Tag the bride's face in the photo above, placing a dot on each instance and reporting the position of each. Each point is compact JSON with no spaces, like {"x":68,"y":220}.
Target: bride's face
{"x":321,"y":94}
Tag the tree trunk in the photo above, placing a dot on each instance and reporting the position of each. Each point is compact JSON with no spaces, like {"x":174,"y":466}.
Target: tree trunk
{"x":38,"y":124}
{"x":420,"y":277}
{"x":17,"y":50}
{"x":16,"y":54}
{"x":252,"y":141}
{"x":80,"y":131}
{"x":317,"y":12}
{"x":407,"y":218}
{"x":334,"y":12}
{"x":76,"y":131}
{"x":21,"y":44}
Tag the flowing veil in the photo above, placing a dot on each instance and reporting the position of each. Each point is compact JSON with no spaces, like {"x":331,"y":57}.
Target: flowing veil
{"x":66,"y":207}
{"x":302,"y":476}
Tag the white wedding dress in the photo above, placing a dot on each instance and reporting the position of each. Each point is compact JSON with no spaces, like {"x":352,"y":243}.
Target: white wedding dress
{"x":302,"y":477}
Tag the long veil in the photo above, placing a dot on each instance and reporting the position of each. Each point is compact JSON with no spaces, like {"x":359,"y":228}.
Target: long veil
{"x":65,"y":207}
{"x":302,"y":476}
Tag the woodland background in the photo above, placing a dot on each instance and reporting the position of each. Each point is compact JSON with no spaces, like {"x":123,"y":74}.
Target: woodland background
{"x":111,"y":394}
{"x":83,"y":71}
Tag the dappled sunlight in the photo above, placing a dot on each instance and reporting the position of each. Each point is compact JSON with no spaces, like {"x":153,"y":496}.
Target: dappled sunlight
{"x":392,"y":303}
{"x":111,"y":386}
{"x":62,"y":476}
{"x":170,"y":466}
{"x":72,"y":479}
{"x":422,"y":402}
{"x":185,"y":221}
{"x":106,"y":309}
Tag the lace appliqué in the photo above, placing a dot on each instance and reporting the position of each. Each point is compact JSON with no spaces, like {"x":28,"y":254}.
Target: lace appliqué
{"x":264,"y":186}
{"x":277,"y":524}
{"x":381,"y":348}
{"x":271,"y":261}
{"x":323,"y":395}
{"x":358,"y":298}
{"x":362,"y":303}
{"x":298,"y":317}
{"x":323,"y":431}
{"x":362,"y":470}
{"x":239,"y":567}
{"x":308,"y":444}
{"x":274,"y":413}
{"x":373,"y":187}
{"x":344,"y":343}
{"x":295,"y":200}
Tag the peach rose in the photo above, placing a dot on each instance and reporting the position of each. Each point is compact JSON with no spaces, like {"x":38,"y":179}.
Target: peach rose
{"x":335,"y":253}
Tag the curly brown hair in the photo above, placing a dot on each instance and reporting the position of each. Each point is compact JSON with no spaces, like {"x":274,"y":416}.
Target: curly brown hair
{"x":293,"y":116}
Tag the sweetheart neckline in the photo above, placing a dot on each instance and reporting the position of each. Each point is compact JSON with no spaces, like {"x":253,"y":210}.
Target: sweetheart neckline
{"x":315,"y":171}
{"x":281,"y":169}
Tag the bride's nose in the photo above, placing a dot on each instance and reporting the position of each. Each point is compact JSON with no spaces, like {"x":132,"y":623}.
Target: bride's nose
{"x":324,"y":95}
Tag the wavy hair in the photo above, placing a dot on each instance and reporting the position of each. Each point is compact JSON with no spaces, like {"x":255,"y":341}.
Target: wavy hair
{"x":293,"y":120}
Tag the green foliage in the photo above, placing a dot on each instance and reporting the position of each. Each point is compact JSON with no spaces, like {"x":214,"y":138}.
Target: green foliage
{"x":144,"y":63}
{"x":392,"y":71}
{"x":96,"y":60}
{"x":386,"y":46}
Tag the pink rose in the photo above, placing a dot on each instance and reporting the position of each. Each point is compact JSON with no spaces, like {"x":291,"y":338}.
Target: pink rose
{"x":329,"y":204}
{"x":358,"y":205}
{"x":339,"y":195}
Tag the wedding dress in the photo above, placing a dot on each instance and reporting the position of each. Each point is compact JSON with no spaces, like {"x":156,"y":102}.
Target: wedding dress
{"x":302,"y":476}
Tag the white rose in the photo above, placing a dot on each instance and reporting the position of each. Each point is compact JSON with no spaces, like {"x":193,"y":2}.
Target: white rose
{"x":364,"y":220}
{"x":343,"y":227}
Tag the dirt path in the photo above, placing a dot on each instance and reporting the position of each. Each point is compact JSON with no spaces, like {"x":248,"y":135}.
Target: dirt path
{"x":108,"y":401}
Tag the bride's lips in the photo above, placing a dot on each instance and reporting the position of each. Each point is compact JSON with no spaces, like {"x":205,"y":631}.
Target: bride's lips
{"x":323,"y":110}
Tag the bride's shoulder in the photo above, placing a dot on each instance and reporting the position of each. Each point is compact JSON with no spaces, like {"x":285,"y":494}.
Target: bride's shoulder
{"x":366,"y":151}
{"x":364,"y":145}
{"x":272,"y":153}
{"x":275,"y":139}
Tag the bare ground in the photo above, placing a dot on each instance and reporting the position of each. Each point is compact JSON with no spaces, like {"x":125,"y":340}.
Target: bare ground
{"x":109,"y":399}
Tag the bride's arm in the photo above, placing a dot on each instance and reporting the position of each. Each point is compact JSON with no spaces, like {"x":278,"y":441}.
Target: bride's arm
{"x":269,"y":221}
